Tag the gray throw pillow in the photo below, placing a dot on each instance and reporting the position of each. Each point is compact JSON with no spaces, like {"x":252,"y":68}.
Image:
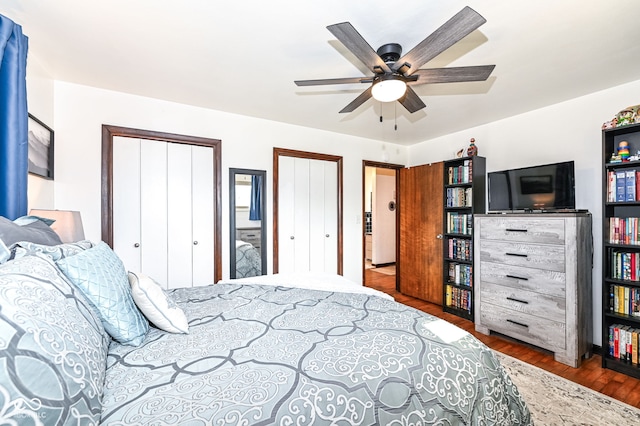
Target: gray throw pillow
{"x":36,"y":232}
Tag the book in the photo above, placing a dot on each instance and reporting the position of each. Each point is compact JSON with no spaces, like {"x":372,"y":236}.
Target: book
{"x":611,"y":188}
{"x":634,"y":347}
{"x":621,"y":186}
{"x":630,"y":191}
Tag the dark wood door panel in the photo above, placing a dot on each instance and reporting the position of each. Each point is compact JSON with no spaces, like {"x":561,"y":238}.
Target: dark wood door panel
{"x":420,"y":260}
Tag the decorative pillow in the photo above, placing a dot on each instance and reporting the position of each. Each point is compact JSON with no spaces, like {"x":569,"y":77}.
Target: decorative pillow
{"x":24,"y":248}
{"x":156,"y":305}
{"x":53,"y":348}
{"x":100,"y":275}
{"x":36,"y":231}
{"x":25,"y":220}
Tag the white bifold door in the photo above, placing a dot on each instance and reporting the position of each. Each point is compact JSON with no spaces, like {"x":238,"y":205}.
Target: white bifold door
{"x":163,"y":210}
{"x":307,"y":215}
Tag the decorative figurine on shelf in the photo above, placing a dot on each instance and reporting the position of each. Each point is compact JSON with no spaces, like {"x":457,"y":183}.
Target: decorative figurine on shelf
{"x":473,"y":149}
{"x":623,"y":150}
{"x":629,"y":115}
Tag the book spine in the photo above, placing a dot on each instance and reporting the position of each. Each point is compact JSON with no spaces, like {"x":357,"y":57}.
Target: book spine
{"x":620,"y":186}
{"x":611,"y":189}
{"x":630,"y":192}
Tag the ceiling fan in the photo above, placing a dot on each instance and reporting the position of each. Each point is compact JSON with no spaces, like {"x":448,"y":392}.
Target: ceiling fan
{"x":394,"y":75}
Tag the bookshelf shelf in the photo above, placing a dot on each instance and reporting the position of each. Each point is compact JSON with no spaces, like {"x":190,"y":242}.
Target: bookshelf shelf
{"x":464,"y":196}
{"x":621,"y":253}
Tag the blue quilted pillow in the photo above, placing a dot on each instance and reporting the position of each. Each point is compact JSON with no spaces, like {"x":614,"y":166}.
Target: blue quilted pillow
{"x":53,"y":348}
{"x":100,"y":275}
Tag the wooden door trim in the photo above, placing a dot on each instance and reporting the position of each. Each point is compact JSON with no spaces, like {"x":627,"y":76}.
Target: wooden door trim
{"x":396,"y":167}
{"x":109,"y":132}
{"x":277,"y":153}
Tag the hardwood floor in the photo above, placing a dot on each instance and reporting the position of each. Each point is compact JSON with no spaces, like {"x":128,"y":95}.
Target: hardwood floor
{"x":590,"y":374}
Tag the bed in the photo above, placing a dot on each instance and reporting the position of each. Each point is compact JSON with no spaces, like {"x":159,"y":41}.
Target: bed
{"x":255,"y":351}
{"x":248,"y":260}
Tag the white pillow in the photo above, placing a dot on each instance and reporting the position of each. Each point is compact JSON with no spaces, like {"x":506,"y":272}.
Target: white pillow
{"x":156,"y":305}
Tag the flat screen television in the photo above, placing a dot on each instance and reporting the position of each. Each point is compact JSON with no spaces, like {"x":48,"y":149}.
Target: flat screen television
{"x":545,"y":188}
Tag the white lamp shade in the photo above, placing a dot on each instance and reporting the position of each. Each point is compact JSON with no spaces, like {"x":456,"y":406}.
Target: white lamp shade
{"x":388,"y":90}
{"x":68,"y":223}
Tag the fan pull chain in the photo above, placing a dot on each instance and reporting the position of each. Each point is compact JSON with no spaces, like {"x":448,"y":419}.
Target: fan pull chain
{"x":395,"y":116}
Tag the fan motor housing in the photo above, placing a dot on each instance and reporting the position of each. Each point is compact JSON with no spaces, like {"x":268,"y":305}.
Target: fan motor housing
{"x":389,"y":52}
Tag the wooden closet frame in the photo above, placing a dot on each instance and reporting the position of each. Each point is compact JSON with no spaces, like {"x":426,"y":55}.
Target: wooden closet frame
{"x":277,"y":152}
{"x":109,"y":132}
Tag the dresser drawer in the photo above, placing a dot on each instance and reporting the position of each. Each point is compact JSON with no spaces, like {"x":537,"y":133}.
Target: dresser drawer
{"x":545,"y":231}
{"x":249,"y":235}
{"x":538,"y":331}
{"x":521,"y":277}
{"x":547,"y":257}
{"x":524,"y":301}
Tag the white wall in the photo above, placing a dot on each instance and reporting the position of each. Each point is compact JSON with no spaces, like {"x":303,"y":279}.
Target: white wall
{"x":80,"y":112}
{"x":40,"y":192}
{"x":384,"y":220}
{"x":567,"y":131}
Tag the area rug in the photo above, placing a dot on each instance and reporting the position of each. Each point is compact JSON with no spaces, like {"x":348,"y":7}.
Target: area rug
{"x":554,"y":400}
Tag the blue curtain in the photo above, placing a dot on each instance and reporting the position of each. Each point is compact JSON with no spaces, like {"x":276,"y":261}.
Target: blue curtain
{"x":14,"y":145}
{"x":255,"y":212}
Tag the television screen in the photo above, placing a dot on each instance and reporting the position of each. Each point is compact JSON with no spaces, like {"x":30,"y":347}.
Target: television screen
{"x":546,"y":187}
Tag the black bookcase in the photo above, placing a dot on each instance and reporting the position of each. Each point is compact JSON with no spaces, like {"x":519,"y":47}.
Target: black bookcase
{"x":464,"y":196}
{"x":621,"y":252}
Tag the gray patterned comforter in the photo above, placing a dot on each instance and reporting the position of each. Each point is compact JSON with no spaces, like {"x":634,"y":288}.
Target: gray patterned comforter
{"x":248,"y":260}
{"x":262,"y":355}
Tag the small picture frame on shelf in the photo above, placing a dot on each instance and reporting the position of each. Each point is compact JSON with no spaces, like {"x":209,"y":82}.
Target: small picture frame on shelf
{"x":40,"y":138}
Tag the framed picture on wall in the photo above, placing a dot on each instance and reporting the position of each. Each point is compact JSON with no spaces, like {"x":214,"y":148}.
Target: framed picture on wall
{"x":40,"y":148}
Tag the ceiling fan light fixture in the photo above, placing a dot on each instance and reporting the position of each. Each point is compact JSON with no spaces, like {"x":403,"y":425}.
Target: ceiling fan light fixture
{"x":388,"y":90}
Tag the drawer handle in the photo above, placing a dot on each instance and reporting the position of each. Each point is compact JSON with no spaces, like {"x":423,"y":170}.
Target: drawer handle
{"x":516,"y":230}
{"x":518,"y":323}
{"x":517,"y":300}
{"x":516,"y":254}
{"x":515,"y":277}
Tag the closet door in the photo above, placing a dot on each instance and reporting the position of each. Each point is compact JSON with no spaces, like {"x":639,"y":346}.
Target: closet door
{"x":323,"y":223}
{"x":126,"y":202}
{"x":202,"y":178}
{"x":163,"y":210}
{"x":153,"y":210}
{"x":307,"y":215}
{"x":179,"y":212}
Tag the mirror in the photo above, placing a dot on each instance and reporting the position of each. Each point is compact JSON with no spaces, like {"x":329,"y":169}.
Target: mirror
{"x":247,"y":218}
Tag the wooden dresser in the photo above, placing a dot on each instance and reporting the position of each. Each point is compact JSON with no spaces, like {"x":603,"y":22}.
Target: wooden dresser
{"x":249,"y":235}
{"x":533,"y":280}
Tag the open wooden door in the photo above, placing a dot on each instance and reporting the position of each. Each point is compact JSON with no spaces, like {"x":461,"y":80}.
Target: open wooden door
{"x":421,"y":229}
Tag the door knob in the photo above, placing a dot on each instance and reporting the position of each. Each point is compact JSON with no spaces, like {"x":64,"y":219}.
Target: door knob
{"x":195,"y":243}
{"x":327,"y":235}
{"x":292,"y":237}
{"x":136,"y":245}
{"x":439,"y":236}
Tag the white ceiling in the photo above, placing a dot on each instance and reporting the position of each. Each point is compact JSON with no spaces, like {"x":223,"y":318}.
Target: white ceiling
{"x":243,"y":56}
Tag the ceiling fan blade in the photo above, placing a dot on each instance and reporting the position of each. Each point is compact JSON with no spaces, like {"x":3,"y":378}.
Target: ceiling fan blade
{"x":452,"y":75}
{"x":452,"y":31}
{"x":362,"y":98}
{"x":353,"y":41}
{"x":411,"y":101}
{"x":333,"y":81}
